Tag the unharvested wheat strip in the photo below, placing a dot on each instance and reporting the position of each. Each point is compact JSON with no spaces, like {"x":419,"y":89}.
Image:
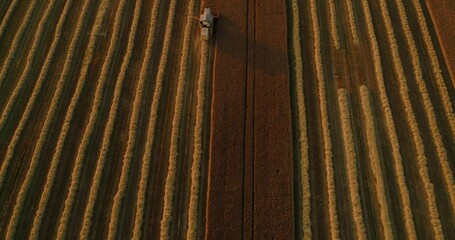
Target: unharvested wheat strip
{"x":333,"y":25}
{"x":391,"y":131}
{"x":421,"y":159}
{"x":49,"y":118}
{"x":435,"y":67}
{"x":349,"y":148}
{"x":411,"y":119}
{"x":94,"y":112}
{"x":352,"y":25}
{"x":428,"y":106}
{"x":303,"y":135}
{"x":197,"y":152}
{"x":28,"y":66}
{"x":334,"y":228}
{"x":16,"y":41}
{"x":88,"y":213}
{"x":12,"y":225}
{"x":375,"y":163}
{"x":8,"y":15}
{"x":126,"y":162}
{"x":171,"y":172}
{"x":140,"y":202}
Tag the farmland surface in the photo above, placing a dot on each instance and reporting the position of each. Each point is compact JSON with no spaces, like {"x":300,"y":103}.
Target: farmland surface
{"x":297,"y":119}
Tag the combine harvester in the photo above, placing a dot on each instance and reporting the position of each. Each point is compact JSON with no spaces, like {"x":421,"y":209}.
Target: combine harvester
{"x":206,"y":21}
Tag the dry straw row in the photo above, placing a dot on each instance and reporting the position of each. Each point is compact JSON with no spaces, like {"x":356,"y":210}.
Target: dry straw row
{"x":435,"y":67}
{"x":140,"y":202}
{"x":132,"y":131}
{"x":7,"y":16}
{"x":351,"y":165}
{"x":18,"y":206}
{"x":88,"y":213}
{"x":390,"y":125}
{"x":328,"y":155}
{"x":16,"y":41}
{"x":303,"y":135}
{"x":172,"y":168}
{"x":428,"y":106}
{"x":412,"y":122}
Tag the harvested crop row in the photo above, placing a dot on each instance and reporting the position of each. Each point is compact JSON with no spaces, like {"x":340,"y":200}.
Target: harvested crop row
{"x":110,"y":125}
{"x":333,"y":25}
{"x":7,"y":16}
{"x":436,"y":68}
{"x":334,"y":228}
{"x":28,"y":66}
{"x":375,"y":164}
{"x":140,"y":203}
{"x":350,"y":155}
{"x":197,"y":153}
{"x":428,"y":106}
{"x":94,"y":112}
{"x":303,"y":135}
{"x":88,"y":213}
{"x":18,"y":206}
{"x":171,"y":172}
{"x":412,"y":123}
{"x":126,"y":163}
{"x":391,"y":131}
{"x":352,"y":25}
{"x":49,"y":118}
{"x":16,"y":41}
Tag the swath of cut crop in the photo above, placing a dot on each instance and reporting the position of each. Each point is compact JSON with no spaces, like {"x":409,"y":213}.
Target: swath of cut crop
{"x":375,"y":163}
{"x":7,"y":16}
{"x":49,"y":118}
{"x":18,"y":206}
{"x":303,"y":135}
{"x":349,"y":148}
{"x":94,"y":112}
{"x":435,"y":67}
{"x":428,"y":106}
{"x":29,"y":64}
{"x":410,"y":118}
{"x":88,"y":213}
{"x":390,"y":126}
{"x":128,"y":156}
{"x":140,"y":203}
{"x":16,"y":41}
{"x":352,"y":25}
{"x":328,"y":155}
{"x":333,"y":25}
{"x":191,"y":232}
{"x":171,"y":172}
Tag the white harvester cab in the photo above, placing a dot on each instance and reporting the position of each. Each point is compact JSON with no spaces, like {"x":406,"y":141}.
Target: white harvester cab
{"x":206,"y":21}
